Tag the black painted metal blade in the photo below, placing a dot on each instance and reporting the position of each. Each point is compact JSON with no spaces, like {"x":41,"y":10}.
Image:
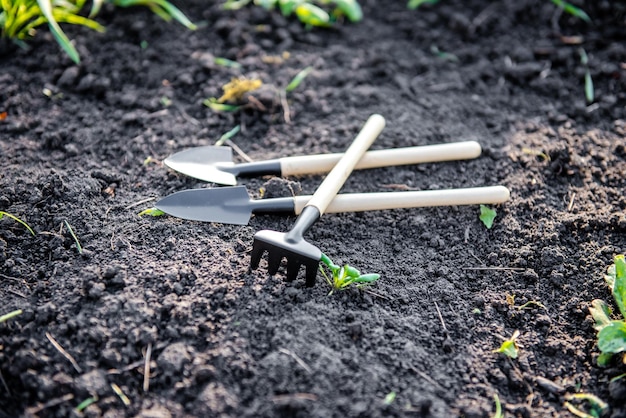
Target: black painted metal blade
{"x":228,"y":205}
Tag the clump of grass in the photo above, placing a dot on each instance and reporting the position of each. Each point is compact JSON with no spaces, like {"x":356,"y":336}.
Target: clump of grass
{"x":611,"y":333}
{"x":20,"y":19}
{"x":320,"y":13}
{"x":343,"y":277}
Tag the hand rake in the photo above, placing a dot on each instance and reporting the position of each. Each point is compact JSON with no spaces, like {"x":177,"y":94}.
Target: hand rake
{"x":292,"y":245}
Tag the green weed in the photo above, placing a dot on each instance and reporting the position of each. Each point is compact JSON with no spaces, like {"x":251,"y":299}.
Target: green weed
{"x":589,"y":90}
{"x":487,"y":216}
{"x":498,"y":413}
{"x":151,"y":212}
{"x":320,"y":13}
{"x":509,"y":347}
{"x":18,"y":220}
{"x":346,"y":276}
{"x":611,"y":333}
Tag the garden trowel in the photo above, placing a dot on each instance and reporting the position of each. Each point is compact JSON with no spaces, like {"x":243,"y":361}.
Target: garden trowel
{"x":215,"y":163}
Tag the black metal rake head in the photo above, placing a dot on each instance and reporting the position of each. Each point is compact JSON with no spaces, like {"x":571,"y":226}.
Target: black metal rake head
{"x":290,"y":245}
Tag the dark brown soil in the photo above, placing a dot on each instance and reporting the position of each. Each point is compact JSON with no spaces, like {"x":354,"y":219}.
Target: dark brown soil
{"x":226,"y":342}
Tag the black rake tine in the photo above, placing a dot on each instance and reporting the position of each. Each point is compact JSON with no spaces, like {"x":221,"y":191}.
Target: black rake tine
{"x":311,"y":273}
{"x":256,"y":254}
{"x":293,"y":267}
{"x":274,"y":258}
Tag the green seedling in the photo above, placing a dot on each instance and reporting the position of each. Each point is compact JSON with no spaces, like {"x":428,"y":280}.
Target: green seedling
{"x":151,"y":212}
{"x":298,"y":79}
{"x":228,"y":135}
{"x":346,"y":276}
{"x":414,"y":4}
{"x":71,"y":231}
{"x":18,"y":220}
{"x":572,"y":10}
{"x":611,"y":333}
{"x":509,"y":347}
{"x":498,"y":413}
{"x":487,"y":215}
{"x":320,"y":13}
{"x":225,"y":62}
{"x":597,"y":407}
{"x":10,"y":315}
{"x":589,"y":90}
{"x":389,"y":398}
{"x":84,"y":404}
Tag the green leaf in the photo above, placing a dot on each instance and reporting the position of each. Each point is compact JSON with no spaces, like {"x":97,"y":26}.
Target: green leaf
{"x":619,"y":287}
{"x":152,"y":212}
{"x":414,"y":4}
{"x":368,"y":278}
{"x":604,"y":359}
{"x":287,"y":7}
{"x":601,"y":313}
{"x":212,"y":103}
{"x":18,"y":220}
{"x":295,"y":82}
{"x":57,"y":32}
{"x":487,"y":215}
{"x":508,"y":348}
{"x":351,"y":271}
{"x":612,"y":338}
{"x":309,"y":14}
{"x":573,"y":10}
{"x":351,"y":9}
{"x":10,"y":315}
{"x":235,"y":4}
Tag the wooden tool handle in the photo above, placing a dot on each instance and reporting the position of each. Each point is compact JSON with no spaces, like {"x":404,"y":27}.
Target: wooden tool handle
{"x":295,"y":166}
{"x":338,"y":175}
{"x":360,"y":202}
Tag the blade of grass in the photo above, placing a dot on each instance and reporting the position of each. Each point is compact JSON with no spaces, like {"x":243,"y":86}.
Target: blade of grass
{"x":295,"y":82}
{"x":71,"y":231}
{"x":573,"y":10}
{"x":15,"y":218}
{"x":57,"y":32}
{"x":10,"y":315}
{"x":228,"y":135}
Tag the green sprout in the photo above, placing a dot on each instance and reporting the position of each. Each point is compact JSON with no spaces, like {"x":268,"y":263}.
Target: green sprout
{"x":18,"y":220}
{"x":597,"y":407}
{"x":498,"y":413}
{"x":152,"y":212}
{"x":487,"y":215}
{"x":589,"y":90}
{"x":611,"y":333}
{"x":414,"y":4}
{"x":572,"y":10}
{"x":509,"y":347}
{"x":71,"y":231}
{"x":346,"y":276}
{"x":84,"y":404}
{"x":10,"y":315}
{"x":298,"y":79}
{"x":228,"y":135}
{"x":320,"y":13}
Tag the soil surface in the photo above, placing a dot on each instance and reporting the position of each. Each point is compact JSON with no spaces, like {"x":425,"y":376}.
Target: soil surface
{"x":166,"y":312}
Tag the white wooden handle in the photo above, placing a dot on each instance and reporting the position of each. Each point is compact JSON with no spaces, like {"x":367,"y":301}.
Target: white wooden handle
{"x":339,"y":174}
{"x":360,"y":202}
{"x":311,"y":164}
